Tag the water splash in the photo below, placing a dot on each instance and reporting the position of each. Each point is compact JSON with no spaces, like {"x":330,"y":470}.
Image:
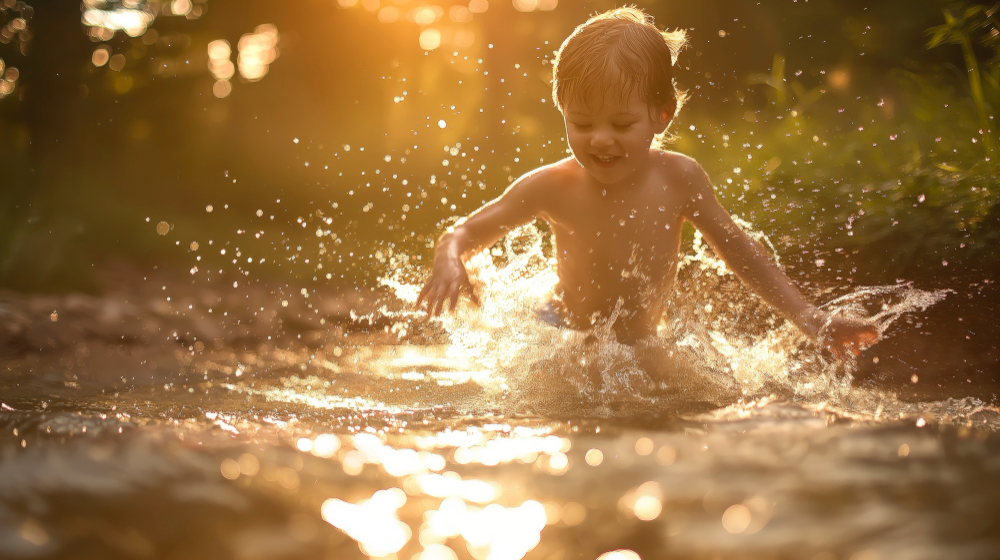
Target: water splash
{"x":718,"y":344}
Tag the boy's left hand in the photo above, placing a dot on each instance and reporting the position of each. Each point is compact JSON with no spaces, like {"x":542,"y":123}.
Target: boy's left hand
{"x":844,"y":334}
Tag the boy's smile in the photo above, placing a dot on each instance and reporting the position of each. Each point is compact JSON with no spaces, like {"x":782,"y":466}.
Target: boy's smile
{"x":613,"y":143}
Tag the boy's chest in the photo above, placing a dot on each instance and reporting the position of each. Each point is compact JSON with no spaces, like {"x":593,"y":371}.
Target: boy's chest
{"x":616,"y":236}
{"x":595,"y":215}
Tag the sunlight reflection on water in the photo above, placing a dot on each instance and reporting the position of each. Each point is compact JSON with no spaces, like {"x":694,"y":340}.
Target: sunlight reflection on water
{"x":491,"y":435}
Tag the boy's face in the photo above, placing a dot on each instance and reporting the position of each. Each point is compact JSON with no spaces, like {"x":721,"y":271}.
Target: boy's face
{"x":612,"y":144}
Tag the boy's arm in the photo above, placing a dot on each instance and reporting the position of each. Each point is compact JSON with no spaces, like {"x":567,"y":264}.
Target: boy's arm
{"x":754,"y":265}
{"x":520,"y":203}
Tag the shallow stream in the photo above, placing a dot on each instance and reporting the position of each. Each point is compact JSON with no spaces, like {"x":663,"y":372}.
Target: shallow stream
{"x":344,"y":429}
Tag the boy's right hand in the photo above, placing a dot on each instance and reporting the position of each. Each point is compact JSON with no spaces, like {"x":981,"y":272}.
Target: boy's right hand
{"x":448,"y":280}
{"x":843,"y":335}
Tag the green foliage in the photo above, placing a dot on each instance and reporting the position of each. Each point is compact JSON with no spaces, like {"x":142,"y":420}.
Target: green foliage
{"x":967,"y":25}
{"x":888,"y":186}
{"x":782,"y":92}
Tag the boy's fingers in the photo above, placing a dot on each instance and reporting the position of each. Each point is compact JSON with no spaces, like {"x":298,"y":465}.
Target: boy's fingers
{"x":472,"y":293}
{"x":425,"y":293}
{"x":446,"y":293}
{"x":431,"y":300}
{"x":440,"y":298}
{"x":443,"y":297}
{"x":428,"y":299}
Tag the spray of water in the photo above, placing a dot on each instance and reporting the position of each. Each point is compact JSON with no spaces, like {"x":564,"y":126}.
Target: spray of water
{"x":718,"y":344}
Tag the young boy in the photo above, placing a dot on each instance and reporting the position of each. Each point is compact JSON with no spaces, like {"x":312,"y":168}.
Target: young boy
{"x":618,"y":205}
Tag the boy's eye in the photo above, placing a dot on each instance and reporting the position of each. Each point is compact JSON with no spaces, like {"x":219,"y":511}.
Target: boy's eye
{"x":623,"y":127}
{"x":582,"y":125}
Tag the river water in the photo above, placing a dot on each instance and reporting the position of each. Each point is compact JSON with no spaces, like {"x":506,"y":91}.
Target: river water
{"x":245,"y":424}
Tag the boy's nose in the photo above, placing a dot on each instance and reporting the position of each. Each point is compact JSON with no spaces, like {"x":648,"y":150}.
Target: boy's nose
{"x":601,"y":140}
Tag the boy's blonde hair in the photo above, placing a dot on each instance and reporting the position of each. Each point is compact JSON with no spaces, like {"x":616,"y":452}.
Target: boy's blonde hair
{"x":622,"y":49}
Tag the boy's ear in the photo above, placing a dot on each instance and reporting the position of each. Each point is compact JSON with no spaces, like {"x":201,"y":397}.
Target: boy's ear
{"x":667,"y":114}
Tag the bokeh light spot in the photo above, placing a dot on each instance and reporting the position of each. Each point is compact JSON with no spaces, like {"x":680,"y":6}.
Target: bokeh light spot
{"x":666,"y":455}
{"x":230,"y":469}
{"x":573,"y":514}
{"x":594,"y":457}
{"x":100,"y":56}
{"x":123,"y":83}
{"x":647,"y":507}
{"x":620,"y":554}
{"x":257,"y":51}
{"x":736,"y":518}
{"x":430,"y":39}
{"x":525,"y":5}
{"x":389,"y":14}
{"x":117,"y":62}
{"x":436,"y":551}
{"x":644,"y":446}
{"x":222,"y":88}
{"x":426,"y":15}
{"x":181,"y":7}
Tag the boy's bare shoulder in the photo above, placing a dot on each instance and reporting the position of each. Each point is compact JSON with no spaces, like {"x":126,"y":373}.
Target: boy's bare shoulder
{"x":540,"y":190}
{"x":680,"y":168}
{"x":691,"y":186}
{"x":562,"y":172}
{"x":551,"y":178}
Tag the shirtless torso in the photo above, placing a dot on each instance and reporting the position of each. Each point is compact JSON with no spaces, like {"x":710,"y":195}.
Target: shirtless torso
{"x":612,"y":242}
{"x":612,"y":246}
